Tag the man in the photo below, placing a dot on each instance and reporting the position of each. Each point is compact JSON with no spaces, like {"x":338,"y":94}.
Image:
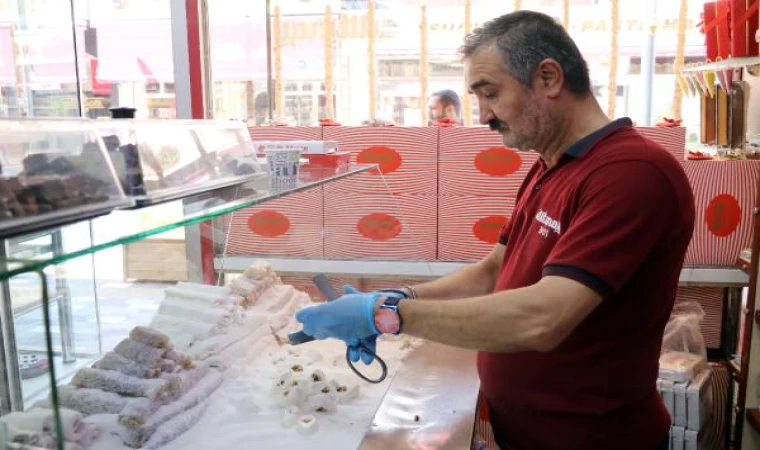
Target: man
{"x":569,"y":308}
{"x":444,"y":107}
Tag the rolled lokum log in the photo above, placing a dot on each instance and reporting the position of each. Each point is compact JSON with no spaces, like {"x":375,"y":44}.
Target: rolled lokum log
{"x":91,"y":435}
{"x":173,"y":307}
{"x":217,"y":290}
{"x":137,"y":437}
{"x":119,"y":363}
{"x":137,"y":412}
{"x":149,"y":336}
{"x":111,"y":381}
{"x":43,"y":421}
{"x":142,"y":353}
{"x":176,"y":426}
{"x":187,"y":330}
{"x":72,"y":426}
{"x":181,"y":359}
{"x":90,"y":401}
{"x":195,"y":296}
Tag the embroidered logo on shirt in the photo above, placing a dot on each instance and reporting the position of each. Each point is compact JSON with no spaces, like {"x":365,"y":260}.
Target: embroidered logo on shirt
{"x":548,"y":224}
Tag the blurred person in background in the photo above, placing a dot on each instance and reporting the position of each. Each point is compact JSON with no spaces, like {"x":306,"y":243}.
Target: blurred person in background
{"x":444,"y":108}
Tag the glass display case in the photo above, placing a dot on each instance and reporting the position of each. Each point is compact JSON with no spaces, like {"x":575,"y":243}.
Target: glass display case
{"x":53,"y":172}
{"x":159,"y":161}
{"x":104,"y":362}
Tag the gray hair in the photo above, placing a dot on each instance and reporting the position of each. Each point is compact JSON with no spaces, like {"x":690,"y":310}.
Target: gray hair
{"x":525,"y":38}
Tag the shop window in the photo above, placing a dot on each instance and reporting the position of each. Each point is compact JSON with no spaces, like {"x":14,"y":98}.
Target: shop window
{"x":39,"y":78}
{"x":126,"y":53}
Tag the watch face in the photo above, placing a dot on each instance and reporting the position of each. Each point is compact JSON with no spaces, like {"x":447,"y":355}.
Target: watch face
{"x":387,"y":321}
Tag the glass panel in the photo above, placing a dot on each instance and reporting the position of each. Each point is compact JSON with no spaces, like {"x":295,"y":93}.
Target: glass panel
{"x":187,"y":212}
{"x":53,"y":171}
{"x":127,"y":58}
{"x":37,"y":72}
{"x":237,"y":35}
{"x":230,"y":326}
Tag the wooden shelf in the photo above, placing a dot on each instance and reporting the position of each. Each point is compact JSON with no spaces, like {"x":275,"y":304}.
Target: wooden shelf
{"x":734,"y":368}
{"x":729,"y":63}
{"x":744,"y":260}
{"x":753,"y":417}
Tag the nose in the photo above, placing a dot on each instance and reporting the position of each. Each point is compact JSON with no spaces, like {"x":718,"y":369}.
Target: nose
{"x":485,"y":113}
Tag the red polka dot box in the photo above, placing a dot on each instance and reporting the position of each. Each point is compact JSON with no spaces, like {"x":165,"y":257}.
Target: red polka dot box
{"x":724,"y":193}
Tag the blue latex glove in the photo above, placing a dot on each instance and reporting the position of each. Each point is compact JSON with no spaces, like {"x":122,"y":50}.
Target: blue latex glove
{"x":356,"y":352}
{"x":349,"y":318}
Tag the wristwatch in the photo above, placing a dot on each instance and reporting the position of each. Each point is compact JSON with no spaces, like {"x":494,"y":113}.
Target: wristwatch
{"x":387,"y":317}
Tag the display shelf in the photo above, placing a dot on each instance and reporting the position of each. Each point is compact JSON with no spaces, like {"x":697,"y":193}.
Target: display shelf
{"x":729,"y":63}
{"x":195,"y":209}
{"x":699,"y":276}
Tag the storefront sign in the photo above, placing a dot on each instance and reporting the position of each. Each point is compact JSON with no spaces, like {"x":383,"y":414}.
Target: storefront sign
{"x":498,"y":161}
{"x":488,"y":229}
{"x":268,"y":223}
{"x":379,"y":226}
{"x":723,"y":215}
{"x":388,"y":159}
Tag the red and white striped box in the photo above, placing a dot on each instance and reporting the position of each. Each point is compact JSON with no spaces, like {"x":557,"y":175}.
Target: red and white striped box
{"x":378,"y":226}
{"x":287,"y":226}
{"x":407,"y":156}
{"x":711,"y":300}
{"x":286,"y":133}
{"x":672,"y":138}
{"x":725,"y":194}
{"x":473,"y":161}
{"x":469,"y":226}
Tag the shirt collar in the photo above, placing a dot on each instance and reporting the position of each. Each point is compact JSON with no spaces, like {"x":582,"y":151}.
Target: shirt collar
{"x":582,"y":147}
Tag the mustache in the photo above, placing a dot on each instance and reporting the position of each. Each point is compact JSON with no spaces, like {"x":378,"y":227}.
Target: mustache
{"x":497,"y":125}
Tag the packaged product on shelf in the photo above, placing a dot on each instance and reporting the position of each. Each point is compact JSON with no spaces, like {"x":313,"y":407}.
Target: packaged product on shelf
{"x":683,"y":347}
{"x":679,"y":391}
{"x":677,"y":436}
{"x":699,"y":400}
{"x":668,"y":397}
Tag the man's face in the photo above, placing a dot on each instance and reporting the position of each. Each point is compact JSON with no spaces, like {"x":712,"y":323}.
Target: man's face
{"x":523,"y":120}
{"x":436,"y":109}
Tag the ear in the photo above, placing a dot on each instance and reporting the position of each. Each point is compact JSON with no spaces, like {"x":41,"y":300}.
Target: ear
{"x":549,"y":78}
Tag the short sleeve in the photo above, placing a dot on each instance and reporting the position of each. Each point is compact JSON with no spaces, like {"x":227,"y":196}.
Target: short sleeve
{"x":623,"y":210}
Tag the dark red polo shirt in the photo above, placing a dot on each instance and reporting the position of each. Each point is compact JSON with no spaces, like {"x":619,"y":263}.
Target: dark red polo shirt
{"x":616,"y":214}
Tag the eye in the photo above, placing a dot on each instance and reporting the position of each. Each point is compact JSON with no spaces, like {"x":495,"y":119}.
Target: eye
{"x":489,"y":95}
